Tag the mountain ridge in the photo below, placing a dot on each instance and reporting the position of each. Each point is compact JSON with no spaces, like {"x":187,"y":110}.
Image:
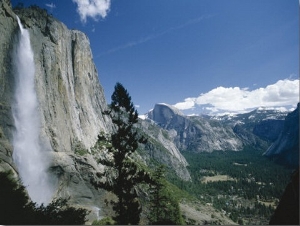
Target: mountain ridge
{"x":208,"y":133}
{"x":71,"y":102}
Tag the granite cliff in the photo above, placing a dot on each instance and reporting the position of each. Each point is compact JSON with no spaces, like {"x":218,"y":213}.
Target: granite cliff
{"x":70,"y":99}
{"x":285,"y":149}
{"x":193,"y":133}
{"x":70,"y":105}
{"x":161,"y":149}
{"x":199,"y":133}
{"x":258,"y":128}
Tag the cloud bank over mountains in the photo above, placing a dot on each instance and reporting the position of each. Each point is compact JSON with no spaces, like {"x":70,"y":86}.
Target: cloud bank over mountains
{"x":92,"y":8}
{"x":284,"y":93}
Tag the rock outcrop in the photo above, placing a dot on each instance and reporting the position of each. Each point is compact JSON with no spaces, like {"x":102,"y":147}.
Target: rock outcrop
{"x":160,"y":149}
{"x":285,"y":149}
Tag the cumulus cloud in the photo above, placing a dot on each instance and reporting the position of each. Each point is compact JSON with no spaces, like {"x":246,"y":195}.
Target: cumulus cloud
{"x":189,"y":103}
{"x":236,"y":99}
{"x":92,"y":8}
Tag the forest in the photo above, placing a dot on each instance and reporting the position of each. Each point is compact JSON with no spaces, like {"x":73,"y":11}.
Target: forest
{"x":244,"y":185}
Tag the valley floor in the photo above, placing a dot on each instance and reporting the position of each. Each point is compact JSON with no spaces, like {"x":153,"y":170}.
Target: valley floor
{"x":199,"y":214}
{"x":232,"y":187}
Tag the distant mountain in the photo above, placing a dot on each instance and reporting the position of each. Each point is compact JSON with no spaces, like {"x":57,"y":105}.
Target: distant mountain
{"x":285,"y":149}
{"x":254,"y":116}
{"x":262,"y":122}
{"x":258,"y":128}
{"x":195,"y":133}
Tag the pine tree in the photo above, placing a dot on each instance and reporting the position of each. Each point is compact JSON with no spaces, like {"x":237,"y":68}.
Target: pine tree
{"x":164,"y":207}
{"x":158,"y":197}
{"x":122,"y":143}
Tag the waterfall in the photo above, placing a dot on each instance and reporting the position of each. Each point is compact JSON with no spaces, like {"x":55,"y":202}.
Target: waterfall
{"x":29,"y":154}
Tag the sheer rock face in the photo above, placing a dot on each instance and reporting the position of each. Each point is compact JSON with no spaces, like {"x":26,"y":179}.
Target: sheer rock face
{"x":71,"y":99}
{"x":160,"y":148}
{"x":285,"y":149}
{"x":269,"y":129}
{"x":195,"y":133}
{"x":7,"y":29}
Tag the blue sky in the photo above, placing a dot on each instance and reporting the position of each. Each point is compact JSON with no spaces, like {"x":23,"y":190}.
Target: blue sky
{"x":213,"y":55}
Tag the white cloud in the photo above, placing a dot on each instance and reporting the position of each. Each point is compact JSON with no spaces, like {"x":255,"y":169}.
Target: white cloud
{"x":235,"y":99}
{"x":92,"y":8}
{"x":189,"y":103}
{"x":51,"y":5}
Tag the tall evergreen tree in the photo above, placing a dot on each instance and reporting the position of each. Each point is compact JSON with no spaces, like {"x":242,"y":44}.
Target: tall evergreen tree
{"x":122,"y":143}
{"x":164,"y":207}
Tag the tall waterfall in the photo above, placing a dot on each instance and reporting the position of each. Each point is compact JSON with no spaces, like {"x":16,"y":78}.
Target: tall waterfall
{"x":29,"y":155}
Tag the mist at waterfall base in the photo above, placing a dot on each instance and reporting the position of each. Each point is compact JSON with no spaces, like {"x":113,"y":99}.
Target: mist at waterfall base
{"x":30,"y":156}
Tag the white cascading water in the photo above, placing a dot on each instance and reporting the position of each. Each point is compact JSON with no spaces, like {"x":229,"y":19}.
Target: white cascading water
{"x":29,"y":155}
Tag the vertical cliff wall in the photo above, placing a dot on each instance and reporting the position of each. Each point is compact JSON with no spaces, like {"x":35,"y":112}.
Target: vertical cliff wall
{"x":70,"y":95}
{"x":285,"y":150}
{"x":70,"y":105}
{"x":8,"y":26}
{"x":70,"y":99}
